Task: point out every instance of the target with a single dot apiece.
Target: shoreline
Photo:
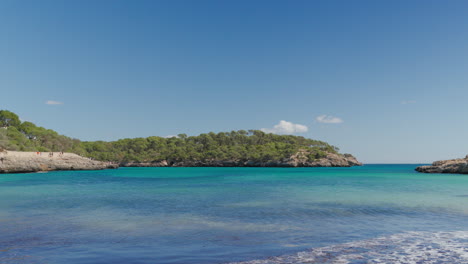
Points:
(24, 162)
(453, 166)
(30, 162)
(331, 160)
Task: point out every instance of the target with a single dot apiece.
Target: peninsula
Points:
(252, 148)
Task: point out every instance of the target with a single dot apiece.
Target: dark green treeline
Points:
(251, 145)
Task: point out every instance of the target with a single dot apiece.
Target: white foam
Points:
(409, 247)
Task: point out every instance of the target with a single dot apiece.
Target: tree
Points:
(29, 129)
(4, 142)
(8, 119)
(182, 136)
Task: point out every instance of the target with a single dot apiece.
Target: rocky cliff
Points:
(446, 166)
(15, 161)
(298, 160)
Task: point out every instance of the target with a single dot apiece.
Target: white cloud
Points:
(171, 136)
(408, 102)
(51, 102)
(285, 127)
(328, 119)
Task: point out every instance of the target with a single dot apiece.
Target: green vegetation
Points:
(252, 145)
(25, 136)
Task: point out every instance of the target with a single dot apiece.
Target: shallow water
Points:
(369, 214)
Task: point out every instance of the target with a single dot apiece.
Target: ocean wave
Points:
(408, 247)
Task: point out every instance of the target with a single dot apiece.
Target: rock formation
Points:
(446, 166)
(15, 161)
(299, 159)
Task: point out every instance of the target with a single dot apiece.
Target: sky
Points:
(384, 80)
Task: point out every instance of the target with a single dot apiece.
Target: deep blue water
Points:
(223, 215)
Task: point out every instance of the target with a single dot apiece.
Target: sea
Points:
(369, 214)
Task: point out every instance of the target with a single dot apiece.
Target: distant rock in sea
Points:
(447, 166)
(16, 162)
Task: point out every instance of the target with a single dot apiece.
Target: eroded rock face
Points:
(446, 166)
(15, 161)
(297, 160)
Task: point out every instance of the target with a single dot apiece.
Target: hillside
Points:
(235, 148)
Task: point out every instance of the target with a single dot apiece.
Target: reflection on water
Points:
(222, 215)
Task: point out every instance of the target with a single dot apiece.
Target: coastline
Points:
(298, 160)
(23, 162)
(456, 166)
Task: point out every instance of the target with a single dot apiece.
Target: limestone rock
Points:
(145, 164)
(446, 166)
(299, 159)
(15, 161)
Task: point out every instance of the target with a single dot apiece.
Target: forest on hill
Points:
(251, 145)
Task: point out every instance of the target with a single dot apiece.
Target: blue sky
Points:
(384, 80)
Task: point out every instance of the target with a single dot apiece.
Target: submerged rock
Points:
(16, 161)
(446, 166)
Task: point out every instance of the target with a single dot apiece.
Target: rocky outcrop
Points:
(15, 161)
(145, 164)
(299, 159)
(446, 166)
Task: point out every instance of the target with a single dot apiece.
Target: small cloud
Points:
(285, 127)
(51, 102)
(171, 136)
(328, 119)
(408, 102)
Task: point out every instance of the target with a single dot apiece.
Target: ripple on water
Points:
(408, 247)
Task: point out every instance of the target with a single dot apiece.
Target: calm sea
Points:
(369, 214)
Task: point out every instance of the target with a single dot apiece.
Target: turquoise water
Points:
(369, 214)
